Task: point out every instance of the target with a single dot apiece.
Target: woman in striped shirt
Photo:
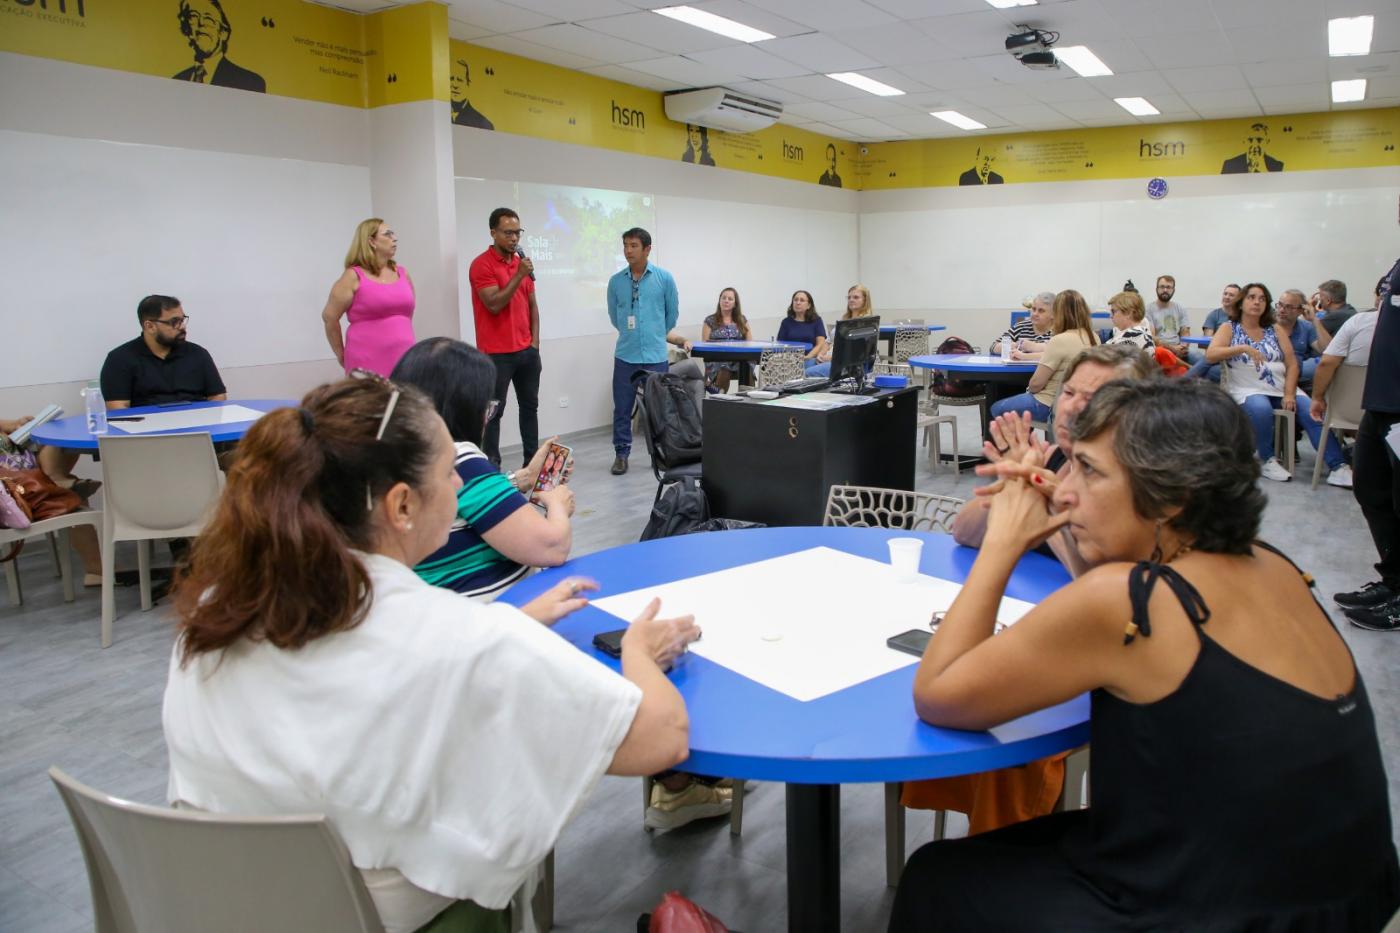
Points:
(1028, 336)
(496, 537)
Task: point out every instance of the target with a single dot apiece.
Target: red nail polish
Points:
(1035, 478)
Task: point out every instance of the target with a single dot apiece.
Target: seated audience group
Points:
(1208, 662)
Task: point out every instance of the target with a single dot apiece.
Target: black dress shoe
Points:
(619, 465)
(1382, 618)
(1368, 597)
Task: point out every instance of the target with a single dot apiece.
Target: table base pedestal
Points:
(814, 858)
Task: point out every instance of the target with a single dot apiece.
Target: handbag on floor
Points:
(679, 914)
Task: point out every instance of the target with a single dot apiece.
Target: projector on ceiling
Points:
(1031, 47)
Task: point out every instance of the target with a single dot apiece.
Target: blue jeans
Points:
(624, 390)
(1260, 411)
(1023, 402)
(1307, 369)
(1204, 370)
(813, 368)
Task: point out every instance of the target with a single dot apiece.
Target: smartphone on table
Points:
(610, 643)
(553, 471)
(912, 642)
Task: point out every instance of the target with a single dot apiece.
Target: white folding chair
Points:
(159, 870)
(56, 531)
(1343, 407)
(154, 486)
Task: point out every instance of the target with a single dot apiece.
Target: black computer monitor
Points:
(854, 345)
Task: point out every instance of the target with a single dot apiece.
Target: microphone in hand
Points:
(521, 253)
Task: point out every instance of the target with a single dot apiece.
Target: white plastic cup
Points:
(904, 558)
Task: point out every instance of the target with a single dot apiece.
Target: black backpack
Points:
(673, 420)
(945, 383)
(680, 509)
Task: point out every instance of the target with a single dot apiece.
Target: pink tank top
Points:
(381, 323)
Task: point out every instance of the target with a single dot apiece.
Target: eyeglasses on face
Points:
(179, 321)
(1287, 307)
(510, 233)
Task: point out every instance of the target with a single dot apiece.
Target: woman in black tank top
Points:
(1236, 778)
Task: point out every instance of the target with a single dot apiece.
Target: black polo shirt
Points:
(132, 373)
(1382, 392)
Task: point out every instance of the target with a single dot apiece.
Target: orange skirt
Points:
(993, 799)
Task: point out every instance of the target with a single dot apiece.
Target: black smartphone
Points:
(610, 643)
(912, 642)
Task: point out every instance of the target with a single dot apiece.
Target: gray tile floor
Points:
(96, 713)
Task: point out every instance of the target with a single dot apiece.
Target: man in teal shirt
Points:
(643, 305)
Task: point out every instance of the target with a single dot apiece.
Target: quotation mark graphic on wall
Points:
(1288, 129)
(490, 70)
(1088, 164)
(573, 121)
(392, 78)
(268, 23)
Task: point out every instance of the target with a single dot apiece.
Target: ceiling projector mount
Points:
(1031, 47)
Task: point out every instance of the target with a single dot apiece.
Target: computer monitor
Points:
(854, 345)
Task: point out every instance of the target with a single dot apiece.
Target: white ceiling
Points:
(1193, 59)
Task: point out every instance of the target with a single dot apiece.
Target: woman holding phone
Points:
(497, 537)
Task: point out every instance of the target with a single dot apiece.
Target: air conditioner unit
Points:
(719, 108)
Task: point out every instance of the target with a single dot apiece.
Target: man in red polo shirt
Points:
(508, 330)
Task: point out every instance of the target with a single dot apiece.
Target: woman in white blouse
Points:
(447, 741)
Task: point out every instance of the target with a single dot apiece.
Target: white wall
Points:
(714, 228)
(964, 256)
(121, 185)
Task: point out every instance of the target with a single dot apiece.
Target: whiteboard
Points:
(249, 244)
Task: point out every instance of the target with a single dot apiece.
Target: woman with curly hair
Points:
(1222, 698)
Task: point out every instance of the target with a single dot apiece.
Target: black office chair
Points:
(689, 472)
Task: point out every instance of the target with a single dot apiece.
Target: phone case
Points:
(610, 643)
(912, 642)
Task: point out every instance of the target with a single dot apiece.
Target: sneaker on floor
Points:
(1272, 469)
(1341, 476)
(619, 465)
(1383, 618)
(670, 809)
(1368, 597)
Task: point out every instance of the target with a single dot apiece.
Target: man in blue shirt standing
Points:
(644, 306)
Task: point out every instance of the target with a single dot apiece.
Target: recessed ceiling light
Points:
(713, 23)
(1350, 35)
(1345, 92)
(1008, 4)
(1084, 62)
(1137, 106)
(866, 84)
(960, 121)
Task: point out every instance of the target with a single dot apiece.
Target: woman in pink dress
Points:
(377, 295)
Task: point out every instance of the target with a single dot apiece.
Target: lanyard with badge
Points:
(632, 318)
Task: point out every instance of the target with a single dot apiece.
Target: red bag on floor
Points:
(679, 914)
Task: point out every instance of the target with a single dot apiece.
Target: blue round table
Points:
(72, 432)
(865, 733)
(1197, 341)
(887, 332)
(979, 367)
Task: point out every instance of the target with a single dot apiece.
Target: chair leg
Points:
(647, 783)
(957, 451)
(542, 905)
(52, 537)
(12, 583)
(736, 811)
(143, 569)
(1075, 795)
(1326, 435)
(894, 834)
(65, 563)
(935, 446)
(109, 598)
(940, 824)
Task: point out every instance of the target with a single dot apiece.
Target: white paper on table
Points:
(805, 624)
(189, 418)
(1393, 438)
(989, 360)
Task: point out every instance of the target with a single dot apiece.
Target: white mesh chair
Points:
(1343, 408)
(875, 507)
(910, 341)
(156, 486)
(778, 366)
(158, 870)
(56, 531)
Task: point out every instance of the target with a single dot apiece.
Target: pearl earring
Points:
(409, 526)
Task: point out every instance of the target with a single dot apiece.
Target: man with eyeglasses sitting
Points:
(160, 366)
(1301, 333)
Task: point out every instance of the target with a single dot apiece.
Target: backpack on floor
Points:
(944, 383)
(673, 419)
(680, 509)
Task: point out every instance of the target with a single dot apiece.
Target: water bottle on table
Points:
(96, 408)
(1006, 351)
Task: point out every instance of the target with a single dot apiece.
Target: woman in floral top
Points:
(727, 323)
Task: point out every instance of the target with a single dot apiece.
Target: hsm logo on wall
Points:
(1149, 149)
(629, 117)
(68, 12)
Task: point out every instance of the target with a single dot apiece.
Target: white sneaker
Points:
(1272, 469)
(1341, 476)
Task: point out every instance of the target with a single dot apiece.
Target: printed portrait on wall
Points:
(697, 145)
(463, 113)
(1254, 158)
(206, 27)
(981, 172)
(829, 177)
